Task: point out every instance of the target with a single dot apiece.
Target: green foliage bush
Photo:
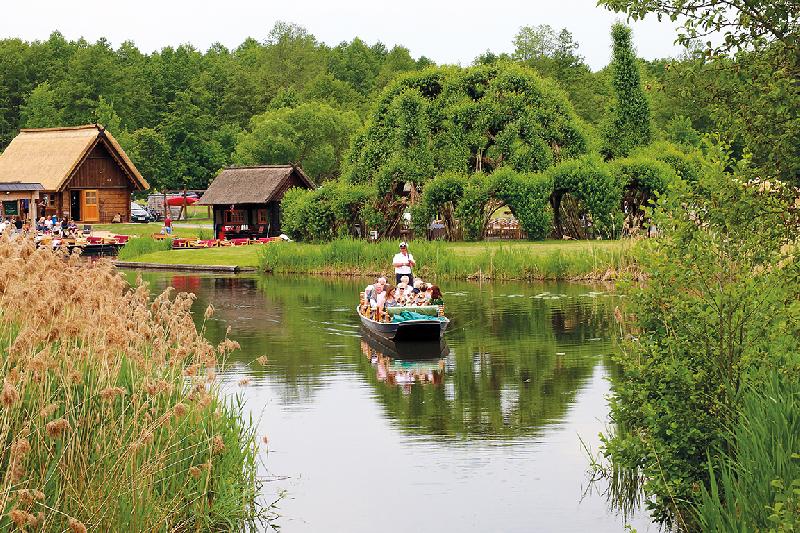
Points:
(685, 162)
(441, 195)
(312, 135)
(644, 173)
(593, 183)
(719, 311)
(330, 211)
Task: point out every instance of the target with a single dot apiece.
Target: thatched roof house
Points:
(247, 200)
(83, 171)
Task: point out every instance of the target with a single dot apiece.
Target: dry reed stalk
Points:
(94, 404)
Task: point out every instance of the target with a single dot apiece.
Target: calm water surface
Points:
(485, 437)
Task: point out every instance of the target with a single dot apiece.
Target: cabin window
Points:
(262, 216)
(234, 216)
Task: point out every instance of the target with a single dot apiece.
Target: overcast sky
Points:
(445, 31)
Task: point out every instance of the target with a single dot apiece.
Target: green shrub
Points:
(592, 182)
(719, 311)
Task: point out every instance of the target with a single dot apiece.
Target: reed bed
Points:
(452, 261)
(110, 415)
(139, 246)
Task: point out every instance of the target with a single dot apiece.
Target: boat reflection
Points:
(405, 364)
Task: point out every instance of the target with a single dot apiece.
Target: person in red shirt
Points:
(168, 224)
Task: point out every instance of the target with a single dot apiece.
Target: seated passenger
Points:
(378, 297)
(391, 300)
(419, 285)
(436, 296)
(422, 298)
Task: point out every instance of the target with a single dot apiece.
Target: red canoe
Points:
(178, 200)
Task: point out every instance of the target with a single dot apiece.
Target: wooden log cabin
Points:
(78, 172)
(246, 200)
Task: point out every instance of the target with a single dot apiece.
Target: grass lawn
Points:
(242, 256)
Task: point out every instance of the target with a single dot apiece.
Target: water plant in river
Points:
(111, 419)
(719, 313)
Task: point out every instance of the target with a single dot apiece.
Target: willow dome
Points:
(464, 120)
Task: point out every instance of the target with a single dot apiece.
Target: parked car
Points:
(139, 213)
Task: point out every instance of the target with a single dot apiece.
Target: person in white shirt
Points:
(378, 298)
(403, 263)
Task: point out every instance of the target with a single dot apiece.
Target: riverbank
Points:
(438, 260)
(112, 419)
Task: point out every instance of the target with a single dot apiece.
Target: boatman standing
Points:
(403, 262)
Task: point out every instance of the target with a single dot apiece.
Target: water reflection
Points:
(406, 364)
(523, 365)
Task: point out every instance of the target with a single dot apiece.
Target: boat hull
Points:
(407, 351)
(408, 331)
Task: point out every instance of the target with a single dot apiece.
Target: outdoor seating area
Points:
(188, 244)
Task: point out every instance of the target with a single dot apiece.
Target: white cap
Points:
(403, 244)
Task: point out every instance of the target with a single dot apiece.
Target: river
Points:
(485, 437)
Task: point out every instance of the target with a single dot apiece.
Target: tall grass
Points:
(440, 260)
(141, 246)
(756, 485)
(110, 415)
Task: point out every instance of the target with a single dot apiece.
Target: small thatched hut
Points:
(79, 172)
(246, 200)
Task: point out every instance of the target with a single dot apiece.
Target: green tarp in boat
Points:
(411, 315)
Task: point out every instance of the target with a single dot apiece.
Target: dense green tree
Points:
(313, 135)
(194, 145)
(150, 152)
(628, 120)
(746, 82)
(463, 120)
(40, 109)
(357, 64)
(555, 55)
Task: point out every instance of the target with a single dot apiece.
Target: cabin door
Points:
(75, 205)
(90, 210)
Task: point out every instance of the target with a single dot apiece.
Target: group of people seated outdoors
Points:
(409, 291)
(381, 294)
(52, 225)
(13, 224)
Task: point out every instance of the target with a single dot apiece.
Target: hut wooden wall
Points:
(99, 170)
(113, 201)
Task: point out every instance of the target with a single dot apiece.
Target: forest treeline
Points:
(182, 113)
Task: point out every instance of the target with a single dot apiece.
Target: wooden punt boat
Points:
(422, 330)
(406, 351)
